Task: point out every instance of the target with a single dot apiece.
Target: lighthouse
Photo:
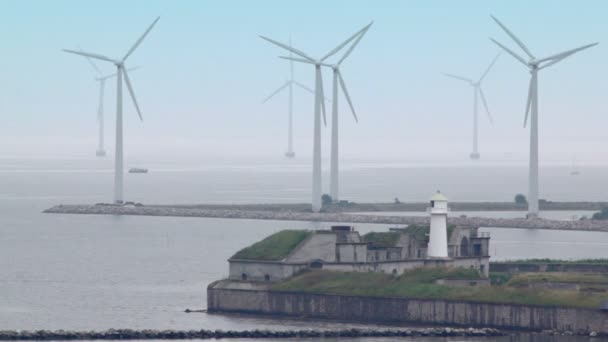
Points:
(438, 240)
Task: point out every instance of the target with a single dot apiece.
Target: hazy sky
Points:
(205, 71)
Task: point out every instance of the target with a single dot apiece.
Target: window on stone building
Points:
(477, 250)
(267, 277)
(244, 276)
(464, 246)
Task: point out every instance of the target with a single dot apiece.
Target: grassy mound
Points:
(420, 284)
(381, 239)
(275, 247)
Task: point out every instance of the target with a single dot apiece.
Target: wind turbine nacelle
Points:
(290, 154)
(474, 155)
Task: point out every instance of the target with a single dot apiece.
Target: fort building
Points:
(342, 248)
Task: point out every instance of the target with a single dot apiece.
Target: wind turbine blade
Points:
(128, 82)
(352, 47)
(289, 48)
(359, 34)
(322, 99)
(485, 104)
(519, 58)
(529, 102)
(114, 74)
(295, 59)
(140, 40)
(519, 42)
(107, 76)
(566, 54)
(92, 55)
(350, 103)
(458, 77)
(99, 73)
(303, 87)
(276, 92)
(488, 69)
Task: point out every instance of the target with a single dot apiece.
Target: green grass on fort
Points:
(274, 247)
(420, 284)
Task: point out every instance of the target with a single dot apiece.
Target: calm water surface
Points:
(98, 272)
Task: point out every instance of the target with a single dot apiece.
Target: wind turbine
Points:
(289, 85)
(477, 92)
(318, 107)
(334, 185)
(120, 72)
(534, 65)
(101, 152)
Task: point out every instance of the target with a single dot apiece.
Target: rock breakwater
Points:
(182, 211)
(128, 334)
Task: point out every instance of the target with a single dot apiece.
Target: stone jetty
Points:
(287, 215)
(128, 334)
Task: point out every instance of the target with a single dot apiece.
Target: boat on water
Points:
(138, 170)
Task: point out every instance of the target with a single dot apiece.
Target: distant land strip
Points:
(238, 212)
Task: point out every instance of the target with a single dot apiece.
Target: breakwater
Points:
(128, 334)
(286, 215)
(406, 206)
(398, 310)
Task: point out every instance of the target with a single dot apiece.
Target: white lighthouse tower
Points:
(438, 240)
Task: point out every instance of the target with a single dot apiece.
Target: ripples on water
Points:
(98, 272)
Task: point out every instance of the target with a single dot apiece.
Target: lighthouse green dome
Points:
(438, 196)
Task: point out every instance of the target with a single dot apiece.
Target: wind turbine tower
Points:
(534, 65)
(477, 93)
(334, 185)
(120, 72)
(289, 85)
(101, 152)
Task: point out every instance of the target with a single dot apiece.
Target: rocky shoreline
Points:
(186, 211)
(128, 334)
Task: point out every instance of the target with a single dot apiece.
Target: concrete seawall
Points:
(224, 296)
(583, 225)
